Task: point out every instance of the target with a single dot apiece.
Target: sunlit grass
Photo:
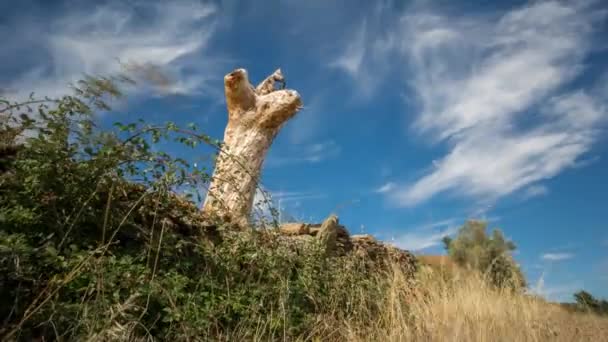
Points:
(462, 307)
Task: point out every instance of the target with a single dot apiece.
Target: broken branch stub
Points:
(255, 116)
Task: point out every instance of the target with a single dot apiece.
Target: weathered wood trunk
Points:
(255, 116)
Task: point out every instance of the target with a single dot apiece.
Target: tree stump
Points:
(255, 116)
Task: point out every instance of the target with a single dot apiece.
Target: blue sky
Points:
(417, 115)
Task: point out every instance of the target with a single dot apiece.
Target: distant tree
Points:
(446, 242)
(489, 254)
(585, 299)
(587, 302)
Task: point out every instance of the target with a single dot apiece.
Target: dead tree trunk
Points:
(255, 116)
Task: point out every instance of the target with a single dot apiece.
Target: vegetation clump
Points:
(586, 302)
(96, 243)
(491, 255)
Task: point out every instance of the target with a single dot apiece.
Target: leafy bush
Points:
(491, 255)
(587, 302)
(95, 243)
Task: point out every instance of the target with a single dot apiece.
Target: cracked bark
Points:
(255, 116)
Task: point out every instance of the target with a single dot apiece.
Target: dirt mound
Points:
(181, 215)
(341, 243)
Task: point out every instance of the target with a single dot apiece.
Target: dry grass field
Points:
(462, 307)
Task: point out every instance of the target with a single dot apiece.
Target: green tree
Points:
(490, 254)
(587, 302)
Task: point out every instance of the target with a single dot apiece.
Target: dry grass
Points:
(463, 308)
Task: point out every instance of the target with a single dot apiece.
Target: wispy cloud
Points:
(265, 202)
(449, 222)
(478, 109)
(385, 188)
(587, 161)
(162, 42)
(311, 153)
(350, 61)
(560, 291)
(535, 191)
(364, 57)
(426, 236)
(293, 196)
(493, 88)
(557, 256)
(263, 205)
(555, 292)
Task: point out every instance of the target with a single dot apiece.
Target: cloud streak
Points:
(478, 109)
(266, 202)
(426, 236)
(149, 39)
(385, 188)
(494, 89)
(555, 292)
(557, 256)
(535, 191)
(310, 153)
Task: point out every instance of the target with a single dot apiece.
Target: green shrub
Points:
(491, 255)
(585, 301)
(95, 244)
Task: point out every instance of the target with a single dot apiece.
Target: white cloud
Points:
(492, 88)
(387, 187)
(442, 223)
(586, 162)
(557, 293)
(311, 153)
(426, 236)
(516, 61)
(535, 191)
(266, 202)
(364, 56)
(166, 37)
(477, 81)
(352, 58)
(295, 196)
(263, 205)
(557, 256)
